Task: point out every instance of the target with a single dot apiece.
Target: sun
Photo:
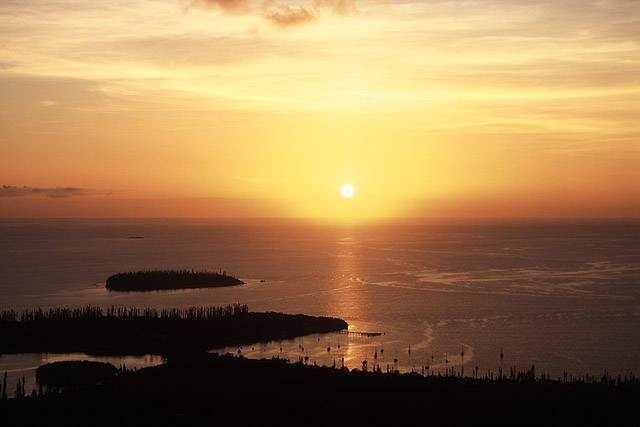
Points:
(347, 190)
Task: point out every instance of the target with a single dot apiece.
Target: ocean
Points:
(563, 295)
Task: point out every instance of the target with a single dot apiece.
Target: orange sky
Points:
(240, 108)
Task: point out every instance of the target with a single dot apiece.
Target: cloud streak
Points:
(226, 5)
(54, 193)
(338, 7)
(282, 14)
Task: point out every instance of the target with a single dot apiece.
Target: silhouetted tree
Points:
(20, 388)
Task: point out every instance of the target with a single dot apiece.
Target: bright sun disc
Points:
(347, 190)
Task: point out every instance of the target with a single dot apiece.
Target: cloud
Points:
(283, 14)
(338, 7)
(55, 193)
(226, 5)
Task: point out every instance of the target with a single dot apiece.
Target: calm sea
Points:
(561, 295)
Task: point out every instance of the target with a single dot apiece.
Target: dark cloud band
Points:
(56, 193)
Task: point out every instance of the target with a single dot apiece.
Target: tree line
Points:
(94, 312)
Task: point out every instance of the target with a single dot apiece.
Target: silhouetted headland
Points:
(162, 280)
(132, 331)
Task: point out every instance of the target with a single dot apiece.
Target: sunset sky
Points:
(242, 108)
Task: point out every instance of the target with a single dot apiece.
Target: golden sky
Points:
(242, 108)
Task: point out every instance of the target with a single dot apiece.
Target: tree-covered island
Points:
(164, 280)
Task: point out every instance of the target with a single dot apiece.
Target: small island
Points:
(163, 280)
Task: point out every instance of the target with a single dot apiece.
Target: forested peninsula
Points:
(163, 280)
(133, 331)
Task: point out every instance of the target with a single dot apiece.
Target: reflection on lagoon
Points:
(351, 349)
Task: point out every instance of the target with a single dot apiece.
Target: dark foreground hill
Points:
(207, 389)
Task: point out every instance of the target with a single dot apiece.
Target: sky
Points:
(243, 108)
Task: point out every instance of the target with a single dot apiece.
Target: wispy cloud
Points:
(283, 14)
(55, 193)
(338, 7)
(226, 5)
